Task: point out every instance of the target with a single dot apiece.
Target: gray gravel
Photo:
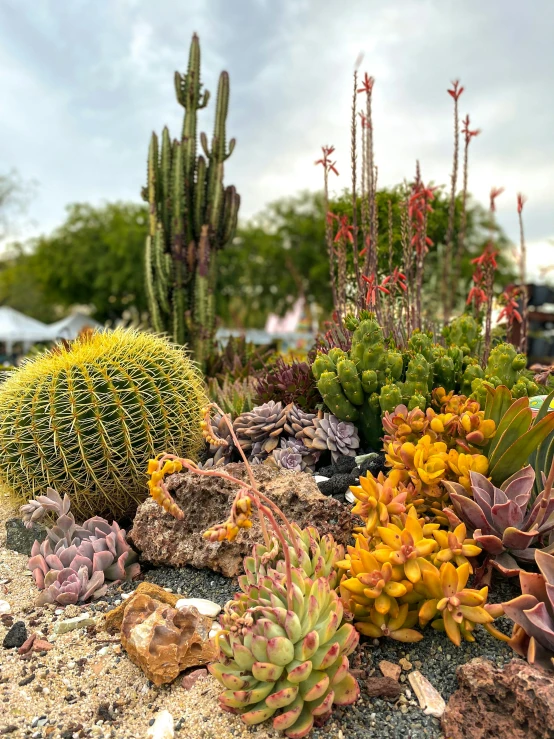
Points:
(371, 718)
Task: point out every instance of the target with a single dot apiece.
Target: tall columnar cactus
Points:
(192, 215)
(85, 419)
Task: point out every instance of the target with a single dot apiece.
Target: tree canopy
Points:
(96, 259)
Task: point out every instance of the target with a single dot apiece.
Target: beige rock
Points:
(405, 664)
(163, 641)
(430, 700)
(206, 501)
(114, 618)
(162, 728)
(203, 606)
(389, 669)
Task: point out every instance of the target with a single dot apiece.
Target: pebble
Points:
(405, 664)
(16, 636)
(204, 607)
(430, 700)
(5, 606)
(389, 669)
(79, 622)
(163, 727)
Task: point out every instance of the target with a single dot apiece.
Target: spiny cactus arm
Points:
(179, 304)
(151, 288)
(165, 181)
(162, 265)
(177, 201)
(230, 215)
(200, 196)
(152, 186)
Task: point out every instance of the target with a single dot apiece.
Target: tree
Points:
(14, 197)
(281, 254)
(95, 258)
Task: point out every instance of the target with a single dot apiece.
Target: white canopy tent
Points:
(16, 327)
(70, 326)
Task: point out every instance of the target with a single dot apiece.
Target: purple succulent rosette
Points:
(503, 520)
(533, 614)
(75, 563)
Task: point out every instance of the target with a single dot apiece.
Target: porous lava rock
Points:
(163, 641)
(512, 702)
(162, 540)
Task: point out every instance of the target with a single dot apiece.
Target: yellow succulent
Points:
(397, 626)
(379, 498)
(455, 546)
(462, 464)
(453, 607)
(404, 546)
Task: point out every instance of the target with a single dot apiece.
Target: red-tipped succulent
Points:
(503, 522)
(533, 614)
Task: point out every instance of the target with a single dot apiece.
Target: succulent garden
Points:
(385, 496)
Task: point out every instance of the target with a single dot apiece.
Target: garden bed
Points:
(85, 685)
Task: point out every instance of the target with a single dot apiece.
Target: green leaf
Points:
(513, 412)
(519, 452)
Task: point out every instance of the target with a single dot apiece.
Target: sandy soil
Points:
(85, 685)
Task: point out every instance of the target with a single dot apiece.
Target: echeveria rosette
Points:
(289, 664)
(533, 614)
(97, 552)
(502, 521)
(328, 432)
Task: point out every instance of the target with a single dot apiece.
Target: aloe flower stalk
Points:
(502, 521)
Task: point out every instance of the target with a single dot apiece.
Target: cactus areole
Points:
(192, 215)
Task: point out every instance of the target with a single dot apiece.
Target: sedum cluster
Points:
(409, 572)
(426, 448)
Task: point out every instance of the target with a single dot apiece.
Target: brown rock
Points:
(41, 645)
(192, 677)
(389, 669)
(383, 687)
(163, 641)
(114, 618)
(405, 664)
(27, 644)
(163, 540)
(513, 702)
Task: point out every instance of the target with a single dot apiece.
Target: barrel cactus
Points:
(85, 418)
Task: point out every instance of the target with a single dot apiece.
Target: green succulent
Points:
(289, 664)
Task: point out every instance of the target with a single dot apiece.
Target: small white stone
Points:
(5, 606)
(58, 611)
(216, 628)
(103, 651)
(320, 478)
(430, 700)
(205, 607)
(350, 496)
(162, 728)
(168, 590)
(124, 596)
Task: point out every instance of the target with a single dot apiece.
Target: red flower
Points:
(327, 164)
(367, 84)
(521, 200)
(372, 288)
(469, 134)
(495, 192)
(510, 310)
(345, 230)
(456, 91)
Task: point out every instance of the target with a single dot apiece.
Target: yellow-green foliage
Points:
(85, 419)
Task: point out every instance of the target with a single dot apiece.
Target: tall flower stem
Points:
(446, 290)
(353, 157)
(468, 135)
(523, 276)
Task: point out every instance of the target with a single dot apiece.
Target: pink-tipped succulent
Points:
(503, 522)
(533, 614)
(74, 562)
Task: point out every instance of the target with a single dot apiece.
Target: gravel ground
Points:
(85, 686)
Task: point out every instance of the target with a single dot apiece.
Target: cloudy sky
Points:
(84, 82)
